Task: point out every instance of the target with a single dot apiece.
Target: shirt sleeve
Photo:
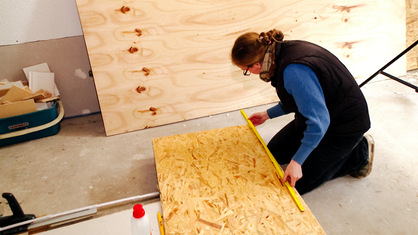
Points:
(277, 111)
(301, 82)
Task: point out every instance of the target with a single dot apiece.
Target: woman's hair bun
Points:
(270, 36)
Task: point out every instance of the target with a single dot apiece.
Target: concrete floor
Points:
(80, 166)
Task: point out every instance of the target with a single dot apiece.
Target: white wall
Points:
(24, 21)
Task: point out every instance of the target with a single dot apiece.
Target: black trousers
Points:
(333, 157)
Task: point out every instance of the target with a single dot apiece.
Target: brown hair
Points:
(250, 48)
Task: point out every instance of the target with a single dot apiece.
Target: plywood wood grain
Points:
(157, 62)
(222, 182)
(412, 33)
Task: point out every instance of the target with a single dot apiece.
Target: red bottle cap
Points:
(139, 211)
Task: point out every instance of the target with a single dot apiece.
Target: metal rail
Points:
(50, 217)
(380, 71)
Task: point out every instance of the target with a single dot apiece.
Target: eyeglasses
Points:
(246, 72)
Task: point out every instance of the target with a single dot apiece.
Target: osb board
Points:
(412, 33)
(157, 62)
(222, 181)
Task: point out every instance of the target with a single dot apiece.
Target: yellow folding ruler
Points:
(278, 168)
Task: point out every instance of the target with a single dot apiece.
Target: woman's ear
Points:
(258, 65)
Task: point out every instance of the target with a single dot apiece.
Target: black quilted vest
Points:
(345, 102)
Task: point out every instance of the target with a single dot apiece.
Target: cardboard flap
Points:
(17, 108)
(15, 94)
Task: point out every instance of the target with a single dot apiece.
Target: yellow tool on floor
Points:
(160, 223)
(278, 168)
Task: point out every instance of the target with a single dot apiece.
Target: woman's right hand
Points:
(259, 118)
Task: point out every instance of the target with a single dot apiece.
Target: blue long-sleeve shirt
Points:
(302, 83)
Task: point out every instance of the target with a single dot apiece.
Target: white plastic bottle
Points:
(140, 221)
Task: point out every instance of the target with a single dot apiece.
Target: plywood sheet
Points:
(412, 33)
(222, 181)
(157, 62)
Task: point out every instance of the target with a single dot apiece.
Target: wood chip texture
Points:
(222, 181)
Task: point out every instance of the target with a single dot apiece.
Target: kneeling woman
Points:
(325, 140)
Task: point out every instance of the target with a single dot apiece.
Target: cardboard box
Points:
(20, 100)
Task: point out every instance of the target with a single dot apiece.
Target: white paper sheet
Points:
(43, 68)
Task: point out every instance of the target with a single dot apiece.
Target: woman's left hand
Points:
(292, 173)
(259, 118)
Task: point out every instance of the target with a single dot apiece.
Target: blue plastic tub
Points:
(31, 126)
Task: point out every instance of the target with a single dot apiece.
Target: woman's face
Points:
(255, 69)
